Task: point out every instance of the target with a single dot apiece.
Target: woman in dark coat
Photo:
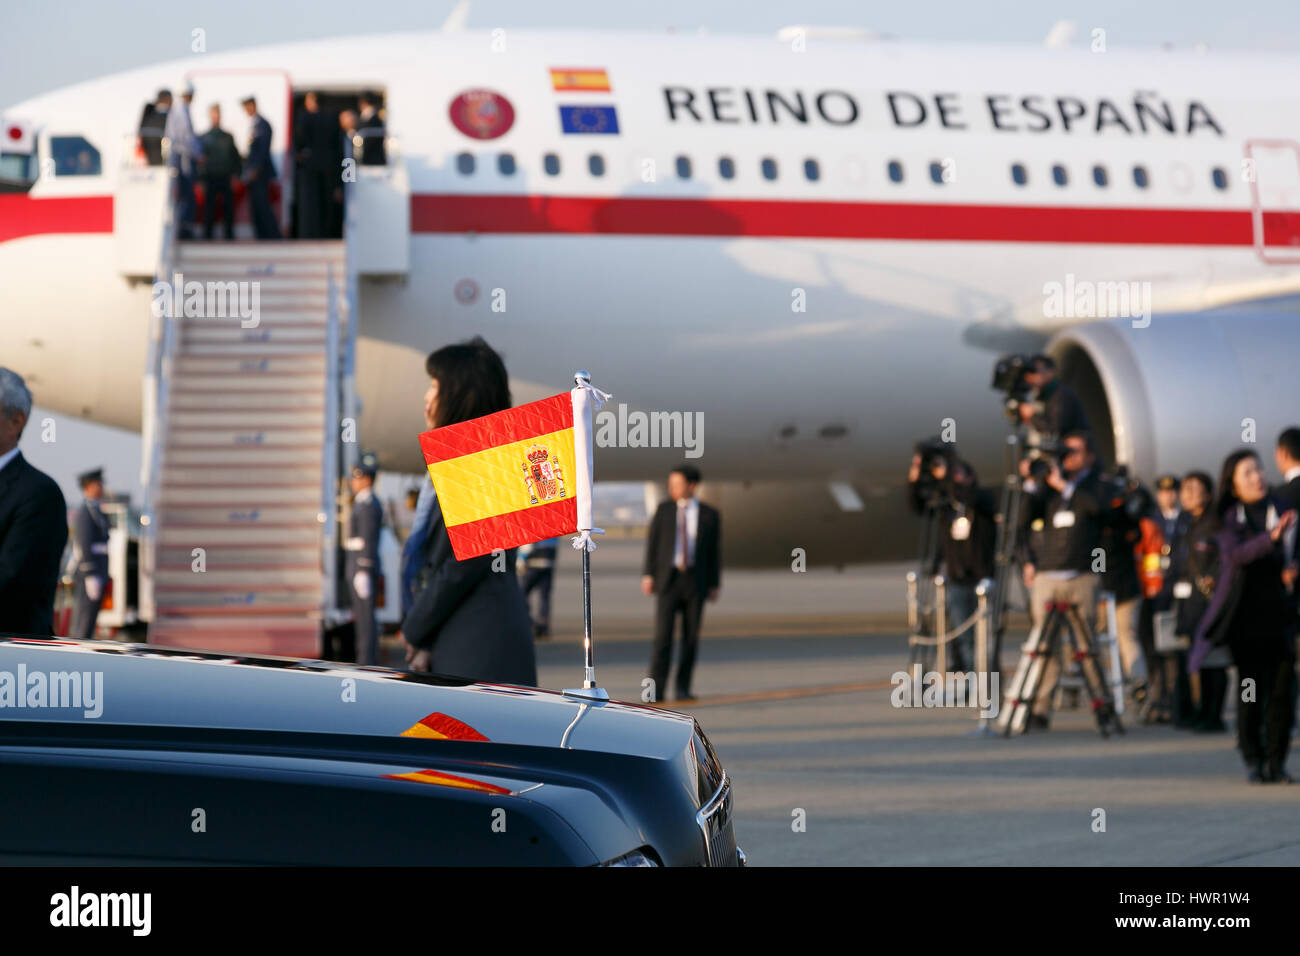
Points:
(1248, 613)
(1193, 568)
(468, 618)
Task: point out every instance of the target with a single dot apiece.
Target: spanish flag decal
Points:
(442, 727)
(440, 779)
(506, 479)
(579, 79)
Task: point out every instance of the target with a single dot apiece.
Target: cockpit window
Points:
(74, 156)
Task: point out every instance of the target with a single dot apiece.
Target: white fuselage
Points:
(820, 326)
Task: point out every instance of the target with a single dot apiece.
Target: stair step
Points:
(266, 251)
(252, 350)
(195, 400)
(204, 387)
(245, 418)
(231, 558)
(219, 600)
(207, 536)
(265, 634)
(243, 455)
(250, 437)
(232, 497)
(297, 474)
(267, 320)
(249, 579)
(235, 365)
(238, 514)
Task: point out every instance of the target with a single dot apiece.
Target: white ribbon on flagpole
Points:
(586, 400)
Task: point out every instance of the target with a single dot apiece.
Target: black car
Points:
(129, 754)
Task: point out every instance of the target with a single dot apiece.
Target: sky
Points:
(52, 43)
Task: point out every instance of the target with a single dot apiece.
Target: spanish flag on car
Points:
(517, 476)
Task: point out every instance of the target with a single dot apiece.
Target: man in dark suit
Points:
(683, 559)
(90, 533)
(362, 546)
(33, 523)
(152, 123)
(316, 147)
(1287, 456)
(371, 127)
(220, 165)
(258, 173)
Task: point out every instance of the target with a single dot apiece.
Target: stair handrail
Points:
(329, 479)
(155, 387)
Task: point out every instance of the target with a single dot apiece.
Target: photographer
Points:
(1062, 518)
(1121, 535)
(1056, 409)
(967, 534)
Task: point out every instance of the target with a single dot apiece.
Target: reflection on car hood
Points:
(143, 685)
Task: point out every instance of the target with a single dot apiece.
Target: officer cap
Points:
(1167, 483)
(86, 477)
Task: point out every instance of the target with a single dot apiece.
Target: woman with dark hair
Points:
(467, 618)
(1248, 614)
(1193, 569)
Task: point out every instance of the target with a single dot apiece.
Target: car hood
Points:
(100, 682)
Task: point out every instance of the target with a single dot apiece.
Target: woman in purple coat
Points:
(1248, 613)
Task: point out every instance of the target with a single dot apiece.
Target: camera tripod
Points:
(1063, 633)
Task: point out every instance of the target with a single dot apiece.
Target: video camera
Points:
(1009, 378)
(1125, 494)
(932, 451)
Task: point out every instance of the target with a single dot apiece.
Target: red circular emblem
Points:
(482, 114)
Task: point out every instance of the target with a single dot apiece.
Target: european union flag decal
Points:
(588, 119)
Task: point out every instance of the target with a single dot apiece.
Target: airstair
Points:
(247, 411)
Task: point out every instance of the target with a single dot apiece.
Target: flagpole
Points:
(582, 437)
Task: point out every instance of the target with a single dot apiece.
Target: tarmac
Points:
(793, 687)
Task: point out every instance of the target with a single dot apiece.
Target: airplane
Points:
(818, 242)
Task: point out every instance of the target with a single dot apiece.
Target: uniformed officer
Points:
(90, 534)
(362, 546)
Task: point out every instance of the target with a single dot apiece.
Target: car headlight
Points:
(635, 858)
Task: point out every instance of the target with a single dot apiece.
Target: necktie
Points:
(681, 539)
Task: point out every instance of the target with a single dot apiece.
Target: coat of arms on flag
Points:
(517, 476)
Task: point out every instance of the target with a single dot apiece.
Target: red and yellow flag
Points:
(584, 79)
(506, 479)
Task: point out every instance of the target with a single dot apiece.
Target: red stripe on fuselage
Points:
(456, 213)
(21, 215)
(459, 213)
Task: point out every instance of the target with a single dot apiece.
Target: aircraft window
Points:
(551, 163)
(811, 170)
(1059, 176)
(506, 164)
(465, 164)
(596, 164)
(1018, 174)
(1220, 178)
(1140, 177)
(769, 168)
(74, 156)
(895, 171)
(683, 167)
(726, 168)
(15, 166)
(1099, 175)
(936, 173)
